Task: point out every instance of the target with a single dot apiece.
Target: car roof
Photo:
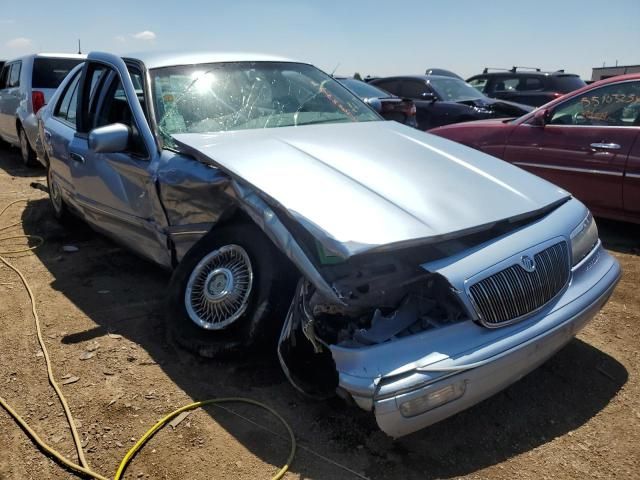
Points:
(49, 55)
(168, 59)
(416, 77)
(527, 73)
(617, 78)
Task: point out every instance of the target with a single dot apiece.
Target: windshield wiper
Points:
(330, 120)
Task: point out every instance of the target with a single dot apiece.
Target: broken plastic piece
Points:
(384, 328)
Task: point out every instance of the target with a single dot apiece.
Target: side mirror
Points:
(541, 117)
(374, 103)
(428, 97)
(112, 138)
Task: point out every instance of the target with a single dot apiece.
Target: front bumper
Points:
(506, 356)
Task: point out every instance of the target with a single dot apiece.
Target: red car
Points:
(587, 142)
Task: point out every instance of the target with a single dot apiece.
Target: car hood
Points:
(497, 104)
(374, 185)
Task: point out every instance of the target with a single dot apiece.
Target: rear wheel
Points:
(60, 210)
(229, 293)
(26, 152)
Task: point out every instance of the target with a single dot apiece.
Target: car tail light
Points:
(37, 100)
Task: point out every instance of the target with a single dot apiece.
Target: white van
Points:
(26, 85)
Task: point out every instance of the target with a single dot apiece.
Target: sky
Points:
(370, 37)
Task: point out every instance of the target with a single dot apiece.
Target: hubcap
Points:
(54, 193)
(218, 285)
(218, 288)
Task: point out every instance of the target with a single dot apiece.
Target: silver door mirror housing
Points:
(112, 138)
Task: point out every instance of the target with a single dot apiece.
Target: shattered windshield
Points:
(217, 97)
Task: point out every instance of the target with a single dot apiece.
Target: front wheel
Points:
(229, 293)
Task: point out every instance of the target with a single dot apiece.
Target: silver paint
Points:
(343, 181)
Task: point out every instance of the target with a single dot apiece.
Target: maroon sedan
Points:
(587, 142)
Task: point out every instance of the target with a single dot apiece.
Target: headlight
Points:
(583, 238)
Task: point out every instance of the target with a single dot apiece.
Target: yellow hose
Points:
(84, 468)
(152, 431)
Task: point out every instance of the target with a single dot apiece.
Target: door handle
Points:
(47, 135)
(77, 157)
(604, 146)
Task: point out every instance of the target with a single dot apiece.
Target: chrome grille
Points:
(514, 292)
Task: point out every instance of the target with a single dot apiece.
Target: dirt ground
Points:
(578, 416)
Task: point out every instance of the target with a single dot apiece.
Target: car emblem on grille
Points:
(528, 263)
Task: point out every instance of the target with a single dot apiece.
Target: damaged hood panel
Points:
(343, 182)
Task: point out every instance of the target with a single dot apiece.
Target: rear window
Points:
(568, 83)
(49, 72)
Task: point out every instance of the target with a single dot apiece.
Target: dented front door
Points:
(116, 191)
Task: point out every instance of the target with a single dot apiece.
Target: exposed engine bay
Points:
(422, 302)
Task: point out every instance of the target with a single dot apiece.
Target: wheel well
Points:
(233, 216)
(237, 217)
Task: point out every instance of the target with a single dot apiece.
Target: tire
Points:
(262, 288)
(60, 210)
(26, 152)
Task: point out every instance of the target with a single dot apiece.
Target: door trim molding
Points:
(593, 171)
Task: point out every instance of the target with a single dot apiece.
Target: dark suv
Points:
(523, 85)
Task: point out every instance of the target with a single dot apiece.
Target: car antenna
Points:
(334, 70)
(79, 50)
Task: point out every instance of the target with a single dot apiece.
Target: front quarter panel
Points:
(193, 196)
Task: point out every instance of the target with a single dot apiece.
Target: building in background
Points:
(600, 73)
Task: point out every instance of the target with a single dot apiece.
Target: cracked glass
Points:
(209, 98)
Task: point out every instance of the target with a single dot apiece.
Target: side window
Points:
(615, 105)
(414, 89)
(138, 85)
(530, 84)
(114, 108)
(506, 84)
(391, 86)
(14, 75)
(73, 105)
(68, 101)
(4, 75)
(95, 77)
(479, 83)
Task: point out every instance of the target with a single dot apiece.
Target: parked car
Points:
(588, 142)
(401, 110)
(443, 100)
(406, 272)
(26, 85)
(442, 73)
(528, 86)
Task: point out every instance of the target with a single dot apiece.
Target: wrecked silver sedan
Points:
(408, 274)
